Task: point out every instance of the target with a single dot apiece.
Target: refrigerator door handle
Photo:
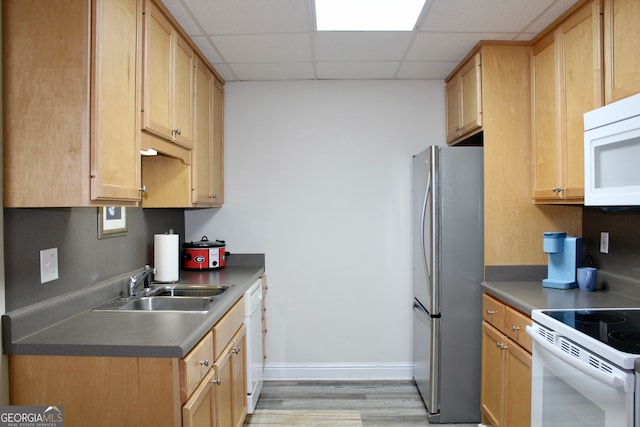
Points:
(427, 193)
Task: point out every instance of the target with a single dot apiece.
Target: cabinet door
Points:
(183, 92)
(224, 389)
(621, 44)
(453, 97)
(239, 372)
(157, 109)
(203, 137)
(493, 375)
(115, 144)
(471, 102)
(518, 399)
(463, 96)
(545, 112)
(581, 90)
(217, 162)
(199, 410)
(567, 79)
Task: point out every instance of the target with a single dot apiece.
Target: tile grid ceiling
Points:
(259, 40)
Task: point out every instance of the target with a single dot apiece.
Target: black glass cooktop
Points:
(619, 329)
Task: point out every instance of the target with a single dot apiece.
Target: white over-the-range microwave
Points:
(612, 154)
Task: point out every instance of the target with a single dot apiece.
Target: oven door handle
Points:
(613, 379)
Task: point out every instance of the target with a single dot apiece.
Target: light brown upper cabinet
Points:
(207, 173)
(167, 103)
(463, 95)
(621, 46)
(567, 81)
(71, 122)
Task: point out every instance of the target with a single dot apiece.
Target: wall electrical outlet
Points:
(48, 265)
(604, 242)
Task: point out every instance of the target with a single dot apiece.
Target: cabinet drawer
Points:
(195, 365)
(226, 328)
(515, 324)
(493, 311)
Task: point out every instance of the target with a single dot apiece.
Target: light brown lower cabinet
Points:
(195, 390)
(506, 366)
(231, 380)
(220, 399)
(200, 408)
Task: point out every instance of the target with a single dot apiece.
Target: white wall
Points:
(317, 177)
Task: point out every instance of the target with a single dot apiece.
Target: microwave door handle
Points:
(614, 379)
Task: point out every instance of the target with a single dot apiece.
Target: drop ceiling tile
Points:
(497, 15)
(549, 15)
(264, 48)
(423, 70)
(357, 70)
(206, 47)
(251, 16)
(448, 46)
(361, 46)
(277, 71)
(183, 16)
(225, 72)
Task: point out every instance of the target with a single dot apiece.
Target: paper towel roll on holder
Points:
(167, 257)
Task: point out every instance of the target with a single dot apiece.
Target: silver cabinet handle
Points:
(204, 362)
(515, 328)
(491, 312)
(235, 350)
(177, 131)
(217, 381)
(143, 189)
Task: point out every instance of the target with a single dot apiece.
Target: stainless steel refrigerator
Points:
(448, 265)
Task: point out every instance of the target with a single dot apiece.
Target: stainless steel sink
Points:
(188, 290)
(168, 304)
(158, 303)
(168, 298)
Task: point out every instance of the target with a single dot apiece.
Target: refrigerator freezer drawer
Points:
(425, 356)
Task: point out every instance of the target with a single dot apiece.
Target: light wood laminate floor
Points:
(381, 403)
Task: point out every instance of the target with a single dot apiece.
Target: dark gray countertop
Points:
(67, 326)
(527, 296)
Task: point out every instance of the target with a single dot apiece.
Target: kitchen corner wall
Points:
(620, 268)
(83, 259)
(318, 177)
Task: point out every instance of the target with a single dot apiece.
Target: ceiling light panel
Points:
(367, 15)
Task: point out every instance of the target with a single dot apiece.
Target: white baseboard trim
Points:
(338, 371)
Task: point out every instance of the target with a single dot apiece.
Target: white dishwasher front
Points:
(255, 365)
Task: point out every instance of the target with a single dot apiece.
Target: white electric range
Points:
(583, 367)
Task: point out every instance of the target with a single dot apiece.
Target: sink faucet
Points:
(139, 278)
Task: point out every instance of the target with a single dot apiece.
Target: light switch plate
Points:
(604, 242)
(48, 265)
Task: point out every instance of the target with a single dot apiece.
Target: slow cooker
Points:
(204, 254)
